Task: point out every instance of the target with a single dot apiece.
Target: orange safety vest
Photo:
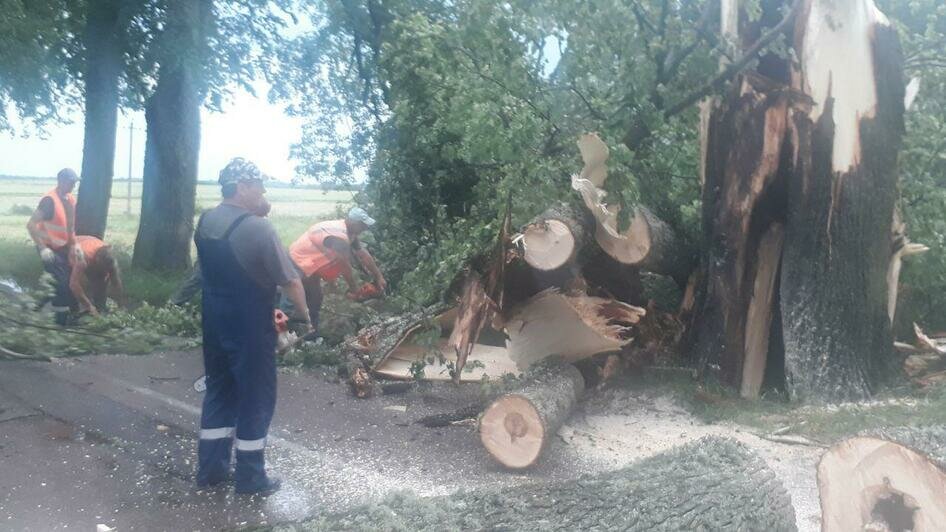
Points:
(89, 246)
(312, 257)
(60, 230)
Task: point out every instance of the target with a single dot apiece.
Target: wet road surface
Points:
(111, 440)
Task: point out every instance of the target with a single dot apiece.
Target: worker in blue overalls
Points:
(242, 262)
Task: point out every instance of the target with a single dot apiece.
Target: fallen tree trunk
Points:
(886, 480)
(553, 239)
(711, 484)
(648, 243)
(517, 427)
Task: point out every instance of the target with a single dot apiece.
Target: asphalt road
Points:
(111, 440)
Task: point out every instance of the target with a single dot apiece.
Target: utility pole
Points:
(131, 133)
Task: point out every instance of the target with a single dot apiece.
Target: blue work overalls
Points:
(240, 363)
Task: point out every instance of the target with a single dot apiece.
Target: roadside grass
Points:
(895, 406)
(294, 210)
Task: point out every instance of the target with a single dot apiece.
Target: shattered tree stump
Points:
(516, 427)
(885, 480)
(711, 484)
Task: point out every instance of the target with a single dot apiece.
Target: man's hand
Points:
(47, 255)
(78, 255)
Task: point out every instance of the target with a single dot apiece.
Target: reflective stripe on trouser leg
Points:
(255, 376)
(251, 445)
(216, 434)
(217, 417)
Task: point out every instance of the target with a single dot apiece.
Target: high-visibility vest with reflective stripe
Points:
(89, 245)
(312, 256)
(58, 231)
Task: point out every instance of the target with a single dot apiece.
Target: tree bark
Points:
(711, 484)
(841, 197)
(743, 197)
(893, 479)
(173, 143)
(648, 243)
(103, 67)
(517, 427)
(811, 146)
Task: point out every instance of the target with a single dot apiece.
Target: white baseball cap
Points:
(359, 215)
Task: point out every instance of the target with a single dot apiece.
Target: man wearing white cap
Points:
(324, 251)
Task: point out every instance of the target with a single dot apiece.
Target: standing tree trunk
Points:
(173, 144)
(810, 146)
(841, 202)
(102, 71)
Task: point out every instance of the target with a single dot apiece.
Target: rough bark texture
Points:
(668, 254)
(518, 426)
(103, 56)
(648, 243)
(173, 143)
(811, 145)
(363, 351)
(837, 247)
(711, 484)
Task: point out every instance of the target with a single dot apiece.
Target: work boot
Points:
(269, 486)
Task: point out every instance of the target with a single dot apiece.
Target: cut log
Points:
(711, 484)
(518, 426)
(894, 480)
(648, 243)
(573, 327)
(553, 239)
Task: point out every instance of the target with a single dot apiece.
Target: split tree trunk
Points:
(102, 71)
(811, 146)
(517, 427)
(173, 144)
(711, 484)
(891, 480)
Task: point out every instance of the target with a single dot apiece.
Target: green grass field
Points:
(294, 209)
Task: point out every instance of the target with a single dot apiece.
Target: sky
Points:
(248, 127)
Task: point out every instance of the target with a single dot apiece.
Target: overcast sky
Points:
(249, 127)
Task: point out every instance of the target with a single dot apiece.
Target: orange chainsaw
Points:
(366, 292)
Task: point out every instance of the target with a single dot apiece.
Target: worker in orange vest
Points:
(52, 228)
(324, 252)
(97, 267)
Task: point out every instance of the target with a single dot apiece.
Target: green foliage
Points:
(168, 320)
(922, 26)
(29, 331)
(456, 108)
(311, 354)
(36, 51)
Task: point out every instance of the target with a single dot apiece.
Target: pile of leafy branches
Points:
(29, 331)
